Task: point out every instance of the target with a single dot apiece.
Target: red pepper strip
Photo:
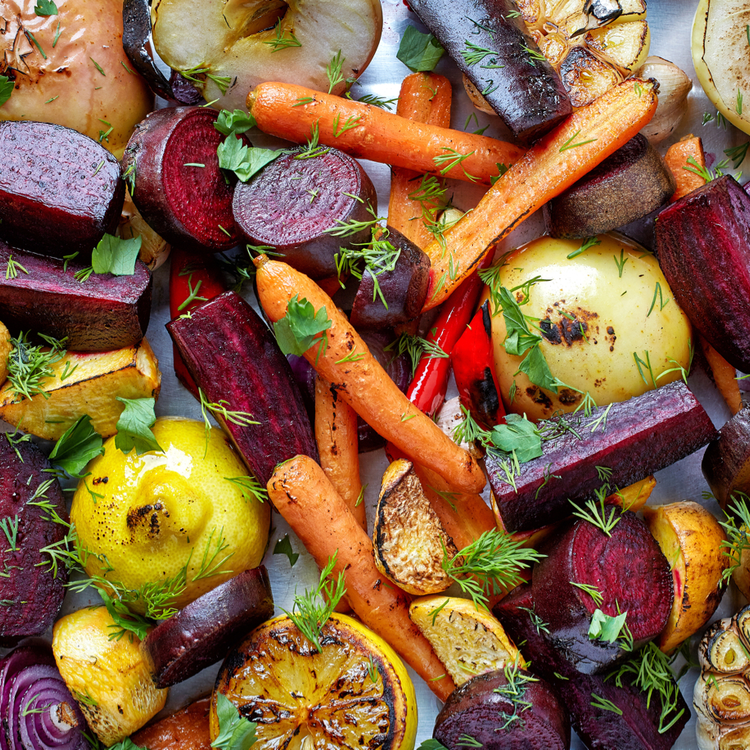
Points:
(194, 278)
(474, 369)
(430, 381)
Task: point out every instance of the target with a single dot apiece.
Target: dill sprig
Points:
(736, 527)
(489, 565)
(416, 347)
(12, 268)
(517, 683)
(250, 487)
(333, 71)
(281, 40)
(595, 512)
(30, 365)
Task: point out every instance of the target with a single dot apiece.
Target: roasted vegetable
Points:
(674, 87)
(727, 459)
(186, 729)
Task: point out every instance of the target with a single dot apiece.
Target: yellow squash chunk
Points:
(467, 640)
(634, 496)
(625, 45)
(85, 383)
(5, 347)
(106, 675)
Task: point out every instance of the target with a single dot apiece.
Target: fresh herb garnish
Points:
(340, 129)
(134, 426)
(234, 123)
(570, 144)
(595, 512)
(514, 690)
(333, 71)
(302, 327)
(192, 74)
(376, 257)
(30, 365)
(540, 625)
(660, 295)
(45, 8)
(588, 243)
(78, 445)
(419, 52)
(6, 88)
(374, 100)
(737, 527)
(116, 255)
(9, 527)
(250, 487)
(284, 547)
(474, 54)
(13, 267)
(283, 39)
(244, 161)
(737, 154)
(621, 262)
(451, 158)
(604, 627)
(416, 347)
(235, 731)
(604, 704)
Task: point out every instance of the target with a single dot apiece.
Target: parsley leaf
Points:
(235, 731)
(520, 435)
(234, 123)
(134, 426)
(605, 627)
(45, 8)
(127, 744)
(301, 328)
(78, 445)
(431, 745)
(284, 547)
(116, 256)
(6, 89)
(418, 51)
(243, 160)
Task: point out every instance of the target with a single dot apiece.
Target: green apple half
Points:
(236, 45)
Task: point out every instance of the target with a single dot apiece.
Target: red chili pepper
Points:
(430, 381)
(474, 369)
(194, 278)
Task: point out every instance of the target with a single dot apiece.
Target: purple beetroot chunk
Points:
(30, 594)
(637, 438)
(60, 191)
(630, 723)
(525, 713)
(104, 312)
(629, 571)
(235, 360)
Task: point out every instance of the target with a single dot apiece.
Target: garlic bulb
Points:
(674, 86)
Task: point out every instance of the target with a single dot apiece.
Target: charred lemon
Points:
(354, 692)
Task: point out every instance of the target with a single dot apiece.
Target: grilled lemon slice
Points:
(353, 693)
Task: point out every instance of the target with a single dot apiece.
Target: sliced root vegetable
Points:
(298, 202)
(202, 633)
(246, 381)
(59, 190)
(726, 462)
(5, 348)
(691, 540)
(626, 186)
(685, 172)
(100, 314)
(637, 438)
(368, 132)
(344, 360)
(173, 171)
(308, 502)
(186, 729)
(504, 710)
(634, 496)
(561, 158)
(502, 60)
(84, 383)
(620, 571)
(154, 249)
(469, 641)
(723, 375)
(336, 436)
(409, 542)
(674, 87)
(31, 586)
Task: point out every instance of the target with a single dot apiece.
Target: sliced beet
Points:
(403, 290)
(703, 246)
(517, 81)
(60, 191)
(190, 206)
(102, 313)
(236, 362)
(202, 633)
(637, 438)
(635, 727)
(296, 201)
(727, 459)
(629, 571)
(30, 594)
(523, 714)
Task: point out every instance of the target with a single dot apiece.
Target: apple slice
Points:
(690, 538)
(243, 44)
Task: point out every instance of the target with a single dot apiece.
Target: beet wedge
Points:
(31, 591)
(604, 714)
(726, 462)
(703, 246)
(489, 42)
(628, 573)
(236, 362)
(635, 439)
(100, 314)
(59, 190)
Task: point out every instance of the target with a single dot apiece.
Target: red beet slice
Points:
(628, 569)
(637, 438)
(727, 459)
(31, 595)
(202, 633)
(190, 206)
(703, 246)
(60, 191)
(293, 204)
(404, 289)
(483, 709)
(104, 312)
(637, 725)
(235, 360)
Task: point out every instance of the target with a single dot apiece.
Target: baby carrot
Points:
(563, 156)
(344, 360)
(368, 132)
(684, 171)
(301, 492)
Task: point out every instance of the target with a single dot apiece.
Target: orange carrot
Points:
(338, 446)
(723, 375)
(301, 492)
(344, 360)
(563, 156)
(676, 159)
(186, 729)
(365, 131)
(425, 97)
